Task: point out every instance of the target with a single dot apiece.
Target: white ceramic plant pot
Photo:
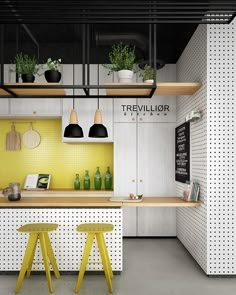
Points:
(125, 76)
(149, 81)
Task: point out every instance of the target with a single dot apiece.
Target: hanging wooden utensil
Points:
(13, 140)
(31, 138)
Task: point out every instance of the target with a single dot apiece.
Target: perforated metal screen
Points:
(191, 222)
(68, 244)
(221, 133)
(209, 232)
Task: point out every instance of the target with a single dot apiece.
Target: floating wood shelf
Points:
(46, 92)
(162, 89)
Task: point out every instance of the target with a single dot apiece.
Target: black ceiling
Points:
(56, 26)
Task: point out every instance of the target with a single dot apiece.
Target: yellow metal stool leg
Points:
(31, 259)
(28, 253)
(45, 261)
(51, 256)
(104, 260)
(84, 261)
(107, 256)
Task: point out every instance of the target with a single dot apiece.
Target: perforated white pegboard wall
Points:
(192, 222)
(221, 133)
(68, 244)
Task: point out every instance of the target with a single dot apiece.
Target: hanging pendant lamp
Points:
(73, 129)
(98, 129)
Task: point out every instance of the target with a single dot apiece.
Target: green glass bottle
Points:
(86, 180)
(77, 182)
(108, 179)
(97, 180)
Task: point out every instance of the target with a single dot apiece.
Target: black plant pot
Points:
(27, 78)
(52, 76)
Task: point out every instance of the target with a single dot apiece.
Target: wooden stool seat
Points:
(95, 230)
(38, 231)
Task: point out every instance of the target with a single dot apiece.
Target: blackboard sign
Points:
(182, 151)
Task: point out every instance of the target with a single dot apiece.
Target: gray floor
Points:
(151, 266)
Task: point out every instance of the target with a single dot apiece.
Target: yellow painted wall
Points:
(61, 160)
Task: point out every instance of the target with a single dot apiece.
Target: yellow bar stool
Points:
(38, 231)
(95, 230)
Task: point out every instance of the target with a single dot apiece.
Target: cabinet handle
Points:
(140, 180)
(141, 119)
(133, 119)
(133, 180)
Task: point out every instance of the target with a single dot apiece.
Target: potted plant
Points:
(123, 61)
(147, 73)
(52, 75)
(26, 67)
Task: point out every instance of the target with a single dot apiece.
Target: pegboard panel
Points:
(191, 222)
(221, 135)
(67, 243)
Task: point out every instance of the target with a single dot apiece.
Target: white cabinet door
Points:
(35, 107)
(86, 107)
(4, 107)
(156, 177)
(125, 171)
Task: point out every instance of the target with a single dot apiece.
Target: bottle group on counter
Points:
(97, 180)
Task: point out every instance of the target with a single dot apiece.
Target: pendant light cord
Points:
(73, 86)
(98, 77)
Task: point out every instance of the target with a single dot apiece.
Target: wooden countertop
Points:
(73, 202)
(59, 202)
(161, 202)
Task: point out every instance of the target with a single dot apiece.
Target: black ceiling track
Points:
(95, 12)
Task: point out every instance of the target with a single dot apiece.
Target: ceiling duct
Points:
(132, 38)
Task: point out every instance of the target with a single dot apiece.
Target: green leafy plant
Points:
(25, 64)
(122, 57)
(147, 73)
(53, 65)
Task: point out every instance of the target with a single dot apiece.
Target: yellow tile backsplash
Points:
(61, 160)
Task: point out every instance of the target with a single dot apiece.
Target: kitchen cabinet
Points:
(144, 164)
(125, 170)
(28, 107)
(86, 107)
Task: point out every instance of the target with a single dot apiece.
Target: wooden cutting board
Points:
(13, 140)
(31, 138)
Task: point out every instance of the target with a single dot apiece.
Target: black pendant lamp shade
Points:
(98, 130)
(73, 129)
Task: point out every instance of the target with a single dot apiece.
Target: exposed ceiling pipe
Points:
(138, 40)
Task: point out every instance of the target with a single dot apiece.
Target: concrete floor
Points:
(151, 266)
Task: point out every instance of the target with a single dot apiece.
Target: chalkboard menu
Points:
(182, 151)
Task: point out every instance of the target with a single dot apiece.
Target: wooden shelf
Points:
(162, 89)
(33, 91)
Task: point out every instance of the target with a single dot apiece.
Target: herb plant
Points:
(122, 57)
(25, 64)
(147, 73)
(53, 65)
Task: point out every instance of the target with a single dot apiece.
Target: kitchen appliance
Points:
(12, 191)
